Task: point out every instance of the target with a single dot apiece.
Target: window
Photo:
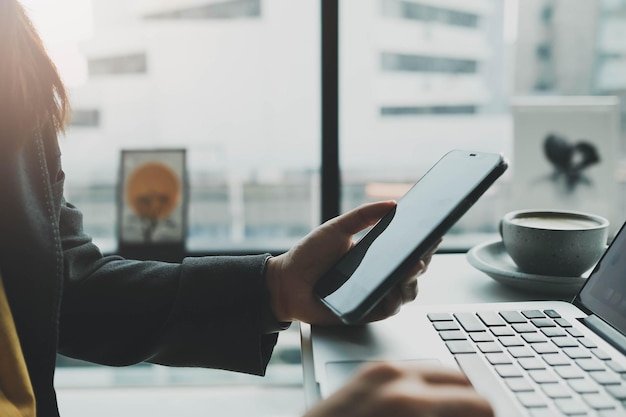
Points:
(222, 10)
(221, 79)
(429, 13)
(85, 118)
(420, 63)
(126, 64)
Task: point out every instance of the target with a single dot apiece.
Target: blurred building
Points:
(556, 53)
(571, 48)
(415, 73)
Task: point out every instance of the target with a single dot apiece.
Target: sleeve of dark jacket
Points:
(203, 312)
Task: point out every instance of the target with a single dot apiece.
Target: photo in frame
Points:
(565, 155)
(152, 197)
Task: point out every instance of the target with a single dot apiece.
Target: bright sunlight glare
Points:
(62, 25)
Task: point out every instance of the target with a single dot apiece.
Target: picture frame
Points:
(152, 197)
(565, 155)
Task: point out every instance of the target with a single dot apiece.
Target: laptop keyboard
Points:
(548, 365)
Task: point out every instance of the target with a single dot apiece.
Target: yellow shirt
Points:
(16, 393)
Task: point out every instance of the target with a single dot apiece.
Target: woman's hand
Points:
(292, 275)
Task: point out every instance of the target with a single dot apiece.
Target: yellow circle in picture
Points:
(153, 190)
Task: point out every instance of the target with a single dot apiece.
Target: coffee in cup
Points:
(554, 242)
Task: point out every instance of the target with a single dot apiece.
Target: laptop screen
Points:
(604, 293)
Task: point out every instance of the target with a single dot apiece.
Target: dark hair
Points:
(33, 100)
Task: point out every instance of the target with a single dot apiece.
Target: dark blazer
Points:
(67, 297)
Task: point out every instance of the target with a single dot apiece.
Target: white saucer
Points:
(492, 259)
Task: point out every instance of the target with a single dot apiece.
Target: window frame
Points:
(330, 169)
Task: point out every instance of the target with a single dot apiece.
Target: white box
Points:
(565, 155)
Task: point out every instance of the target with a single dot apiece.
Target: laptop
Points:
(531, 359)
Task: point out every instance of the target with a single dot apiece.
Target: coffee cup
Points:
(554, 242)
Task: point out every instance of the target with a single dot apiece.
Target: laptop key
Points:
(508, 371)
(521, 352)
(574, 332)
(583, 386)
(531, 363)
(469, 322)
(460, 346)
(439, 317)
(562, 322)
(571, 406)
(543, 323)
(599, 401)
(481, 337)
(452, 335)
(590, 364)
(491, 318)
(544, 348)
(489, 347)
(576, 352)
(524, 328)
(605, 377)
(534, 338)
(531, 400)
(509, 341)
(446, 325)
(557, 359)
(615, 366)
(519, 384)
(543, 377)
(569, 372)
(512, 317)
(552, 314)
(498, 358)
(588, 343)
(502, 331)
(533, 314)
(602, 355)
(617, 391)
(565, 341)
(557, 390)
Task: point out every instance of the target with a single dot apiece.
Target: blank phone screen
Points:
(420, 213)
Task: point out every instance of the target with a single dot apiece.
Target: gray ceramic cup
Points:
(551, 242)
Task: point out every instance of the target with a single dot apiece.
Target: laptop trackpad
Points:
(339, 373)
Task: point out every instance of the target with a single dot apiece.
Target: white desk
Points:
(450, 279)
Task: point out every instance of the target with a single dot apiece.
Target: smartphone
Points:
(381, 258)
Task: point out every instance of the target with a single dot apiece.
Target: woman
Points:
(219, 312)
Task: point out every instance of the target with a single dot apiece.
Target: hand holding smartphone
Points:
(366, 273)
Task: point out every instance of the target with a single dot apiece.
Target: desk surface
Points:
(450, 279)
